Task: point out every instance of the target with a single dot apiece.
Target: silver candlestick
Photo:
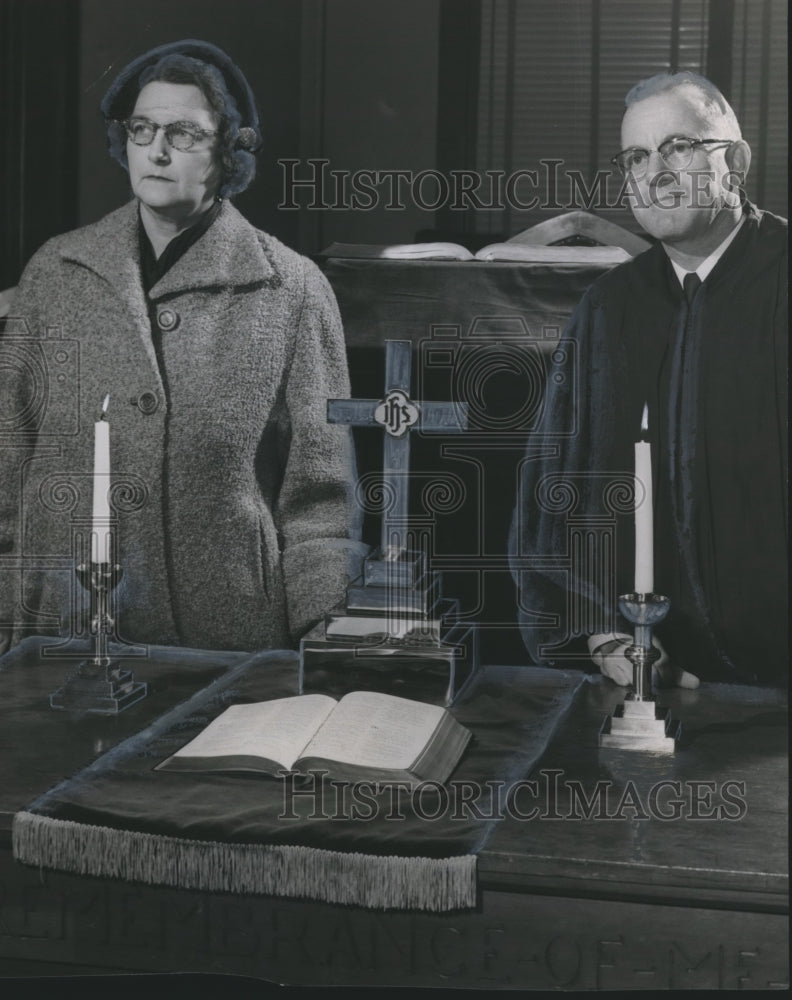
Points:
(101, 685)
(639, 723)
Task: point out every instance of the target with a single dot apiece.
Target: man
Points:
(695, 330)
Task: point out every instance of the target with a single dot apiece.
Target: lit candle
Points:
(100, 528)
(644, 520)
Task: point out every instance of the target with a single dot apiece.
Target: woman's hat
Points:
(120, 98)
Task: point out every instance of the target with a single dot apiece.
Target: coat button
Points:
(146, 402)
(167, 319)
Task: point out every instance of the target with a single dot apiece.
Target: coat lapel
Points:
(111, 249)
(228, 254)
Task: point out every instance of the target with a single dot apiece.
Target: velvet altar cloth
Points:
(302, 838)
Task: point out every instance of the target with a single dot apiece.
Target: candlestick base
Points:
(100, 685)
(640, 723)
(103, 690)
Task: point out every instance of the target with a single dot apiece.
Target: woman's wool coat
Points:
(233, 494)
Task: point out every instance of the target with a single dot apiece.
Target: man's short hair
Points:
(698, 89)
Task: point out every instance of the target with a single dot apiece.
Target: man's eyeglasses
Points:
(180, 135)
(676, 152)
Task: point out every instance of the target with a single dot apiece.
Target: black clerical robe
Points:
(714, 376)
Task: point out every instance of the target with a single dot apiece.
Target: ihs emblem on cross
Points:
(397, 413)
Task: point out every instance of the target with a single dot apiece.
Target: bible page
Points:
(376, 730)
(276, 730)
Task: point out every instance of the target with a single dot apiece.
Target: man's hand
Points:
(609, 657)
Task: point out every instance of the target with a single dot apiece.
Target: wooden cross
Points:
(398, 416)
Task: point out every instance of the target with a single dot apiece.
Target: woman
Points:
(218, 347)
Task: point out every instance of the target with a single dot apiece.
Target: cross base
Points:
(402, 570)
(394, 633)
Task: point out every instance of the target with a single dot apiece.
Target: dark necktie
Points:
(691, 285)
(687, 486)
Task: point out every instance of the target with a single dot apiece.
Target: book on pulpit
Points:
(399, 251)
(514, 252)
(365, 736)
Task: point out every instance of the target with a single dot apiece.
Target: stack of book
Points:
(395, 633)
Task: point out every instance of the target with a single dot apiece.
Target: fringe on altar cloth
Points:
(370, 881)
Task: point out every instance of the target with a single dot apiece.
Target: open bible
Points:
(364, 736)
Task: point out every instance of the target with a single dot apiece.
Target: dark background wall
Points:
(376, 91)
(39, 132)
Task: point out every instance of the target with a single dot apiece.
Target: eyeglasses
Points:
(180, 135)
(676, 152)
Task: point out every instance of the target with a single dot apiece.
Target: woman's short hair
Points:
(181, 62)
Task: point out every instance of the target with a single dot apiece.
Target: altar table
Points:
(590, 880)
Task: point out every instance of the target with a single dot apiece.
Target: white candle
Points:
(644, 520)
(100, 528)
